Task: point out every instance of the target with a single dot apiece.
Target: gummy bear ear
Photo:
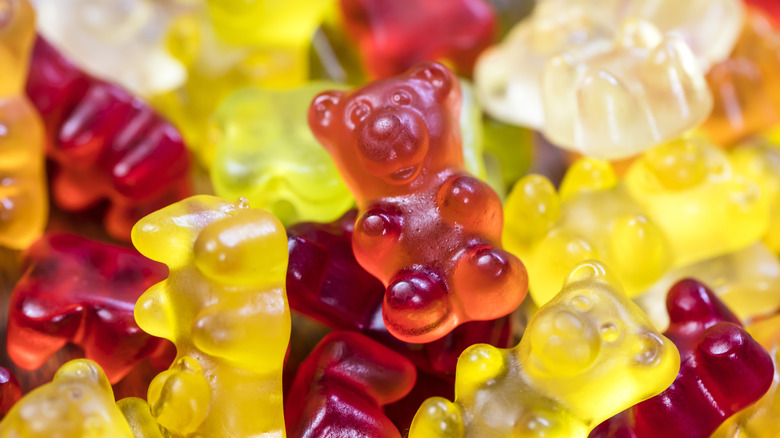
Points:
(322, 113)
(437, 75)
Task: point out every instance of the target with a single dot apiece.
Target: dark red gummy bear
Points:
(723, 370)
(326, 283)
(342, 386)
(428, 230)
(10, 391)
(394, 35)
(106, 143)
(78, 291)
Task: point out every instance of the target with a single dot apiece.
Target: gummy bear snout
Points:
(392, 144)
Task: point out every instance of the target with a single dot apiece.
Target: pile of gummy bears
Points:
(387, 218)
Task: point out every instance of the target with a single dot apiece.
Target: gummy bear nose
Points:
(392, 139)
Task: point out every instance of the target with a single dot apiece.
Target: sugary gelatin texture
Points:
(585, 356)
(395, 35)
(760, 419)
(427, 229)
(627, 223)
(325, 282)
(226, 45)
(106, 144)
(508, 74)
(78, 402)
(342, 386)
(267, 154)
(747, 281)
(614, 99)
(723, 371)
(79, 291)
(10, 391)
(224, 307)
(122, 41)
(24, 204)
(759, 161)
(746, 87)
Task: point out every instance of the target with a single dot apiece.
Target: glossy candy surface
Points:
(106, 144)
(224, 307)
(342, 386)
(585, 356)
(428, 230)
(325, 282)
(23, 199)
(395, 35)
(267, 154)
(79, 402)
(10, 391)
(79, 291)
(723, 371)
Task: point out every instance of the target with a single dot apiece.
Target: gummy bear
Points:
(760, 419)
(759, 161)
(106, 144)
(267, 154)
(746, 280)
(10, 391)
(395, 35)
(119, 40)
(627, 223)
(78, 402)
(723, 370)
(614, 100)
(326, 283)
(23, 198)
(585, 356)
(78, 291)
(745, 86)
(428, 230)
(224, 307)
(343, 384)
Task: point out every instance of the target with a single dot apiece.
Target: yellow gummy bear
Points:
(760, 419)
(267, 153)
(679, 204)
(230, 45)
(585, 356)
(79, 402)
(23, 195)
(225, 308)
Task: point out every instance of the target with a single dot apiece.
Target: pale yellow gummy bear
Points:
(24, 203)
(77, 403)
(759, 420)
(119, 40)
(585, 356)
(612, 100)
(679, 204)
(225, 308)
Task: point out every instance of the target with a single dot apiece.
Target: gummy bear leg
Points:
(416, 307)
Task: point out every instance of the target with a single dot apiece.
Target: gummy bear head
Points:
(592, 341)
(391, 133)
(79, 402)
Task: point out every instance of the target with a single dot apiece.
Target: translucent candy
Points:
(585, 356)
(122, 41)
(224, 306)
(24, 204)
(79, 402)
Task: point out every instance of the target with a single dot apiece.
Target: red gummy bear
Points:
(326, 283)
(428, 230)
(107, 144)
(722, 371)
(341, 387)
(394, 35)
(82, 292)
(10, 391)
(770, 6)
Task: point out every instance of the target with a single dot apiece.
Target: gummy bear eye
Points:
(401, 98)
(358, 112)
